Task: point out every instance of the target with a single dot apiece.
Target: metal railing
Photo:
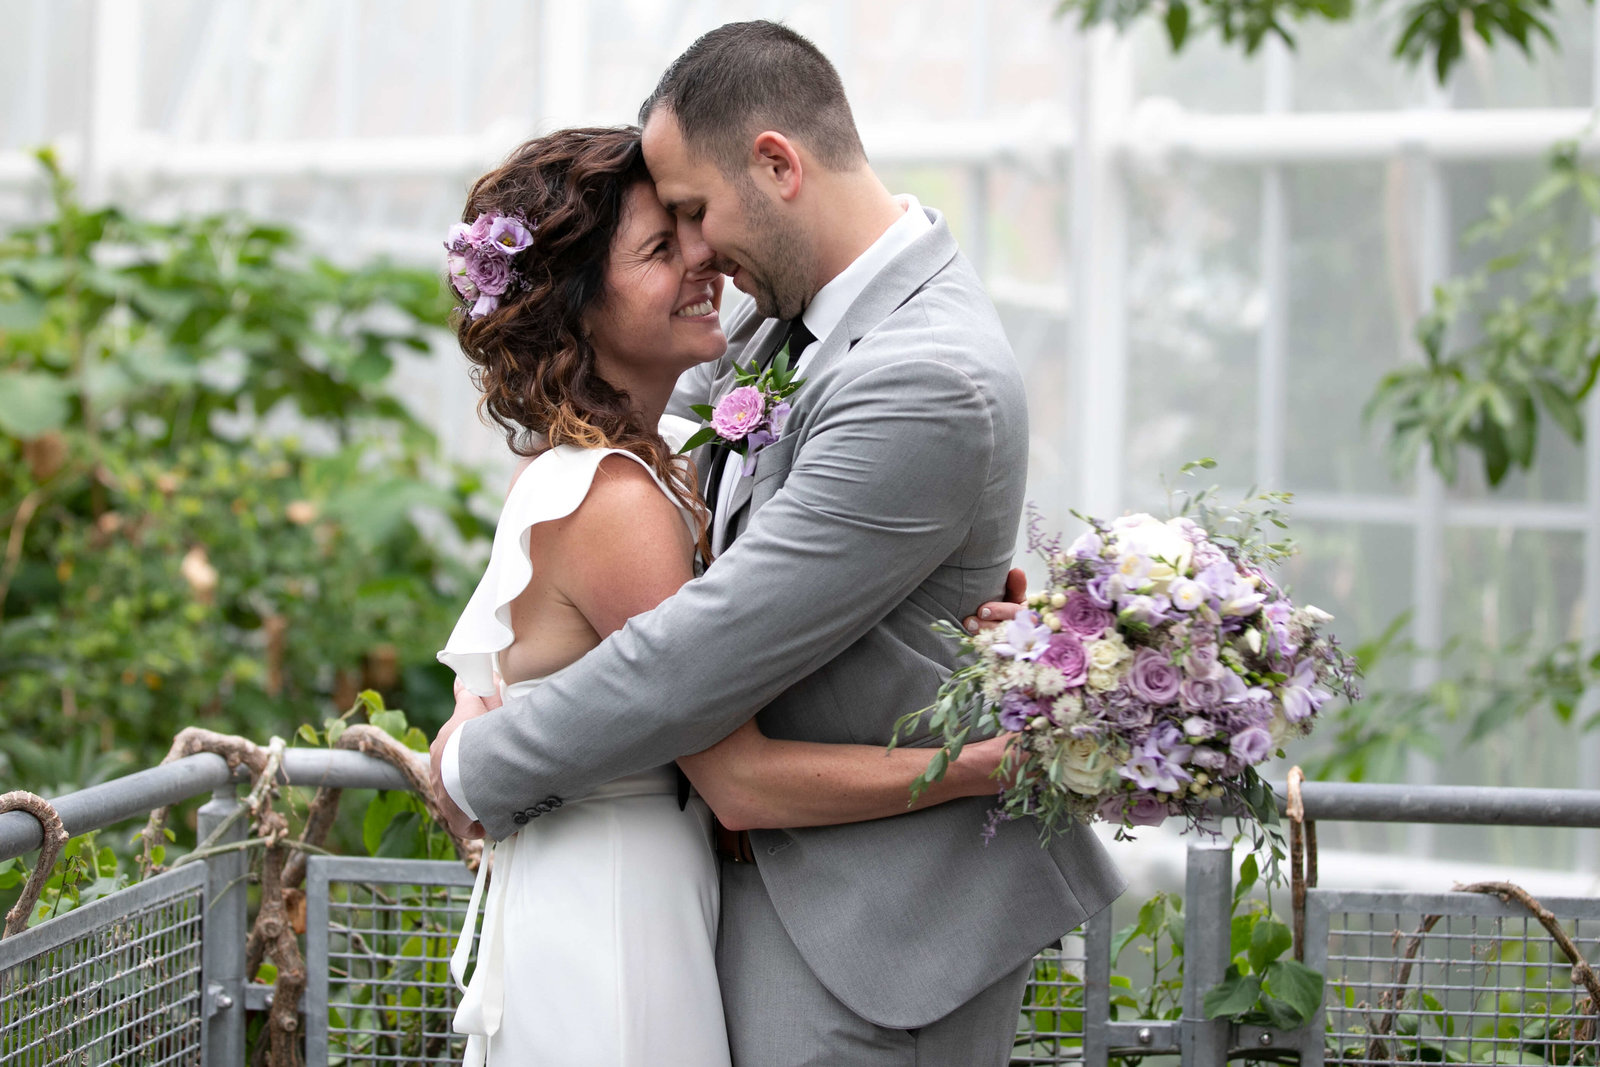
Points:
(155, 972)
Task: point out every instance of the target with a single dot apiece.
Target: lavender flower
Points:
(1025, 638)
(1145, 610)
(510, 234)
(1251, 746)
(490, 272)
(1016, 710)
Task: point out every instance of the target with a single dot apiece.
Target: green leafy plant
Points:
(211, 508)
(1262, 986)
(1430, 29)
(1536, 348)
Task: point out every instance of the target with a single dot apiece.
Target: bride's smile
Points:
(659, 315)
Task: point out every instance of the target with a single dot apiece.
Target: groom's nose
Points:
(697, 255)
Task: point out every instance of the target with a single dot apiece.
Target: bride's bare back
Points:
(577, 593)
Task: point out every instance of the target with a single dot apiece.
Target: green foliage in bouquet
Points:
(1533, 350)
(165, 561)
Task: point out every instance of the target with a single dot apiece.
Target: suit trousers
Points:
(780, 1015)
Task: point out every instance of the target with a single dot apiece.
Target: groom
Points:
(891, 501)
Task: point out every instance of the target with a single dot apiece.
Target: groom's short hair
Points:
(746, 77)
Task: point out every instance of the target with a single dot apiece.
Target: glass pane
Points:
(1206, 76)
(1350, 67)
(1351, 291)
(1195, 306)
(1556, 76)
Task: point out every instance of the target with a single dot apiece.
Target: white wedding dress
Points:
(599, 920)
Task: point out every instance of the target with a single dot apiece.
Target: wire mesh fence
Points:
(1451, 978)
(1051, 1029)
(117, 981)
(379, 937)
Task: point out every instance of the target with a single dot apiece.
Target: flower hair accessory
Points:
(752, 415)
(480, 259)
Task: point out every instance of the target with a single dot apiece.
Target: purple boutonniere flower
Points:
(752, 416)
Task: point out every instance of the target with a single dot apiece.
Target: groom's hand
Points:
(468, 706)
(996, 612)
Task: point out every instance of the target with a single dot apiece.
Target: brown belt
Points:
(732, 845)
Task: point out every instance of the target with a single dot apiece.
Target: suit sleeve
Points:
(882, 491)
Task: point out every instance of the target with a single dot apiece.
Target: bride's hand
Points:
(468, 706)
(982, 759)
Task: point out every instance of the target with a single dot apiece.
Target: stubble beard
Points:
(780, 281)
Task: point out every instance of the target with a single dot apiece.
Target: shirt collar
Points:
(835, 298)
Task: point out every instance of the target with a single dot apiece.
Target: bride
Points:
(599, 925)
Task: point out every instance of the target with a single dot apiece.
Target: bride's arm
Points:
(754, 782)
(622, 552)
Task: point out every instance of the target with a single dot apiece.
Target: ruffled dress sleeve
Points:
(549, 488)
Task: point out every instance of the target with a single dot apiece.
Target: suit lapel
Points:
(892, 286)
(764, 347)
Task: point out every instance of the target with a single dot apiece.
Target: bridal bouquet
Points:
(1158, 667)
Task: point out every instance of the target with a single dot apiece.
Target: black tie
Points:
(800, 339)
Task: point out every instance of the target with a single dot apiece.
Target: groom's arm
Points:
(884, 489)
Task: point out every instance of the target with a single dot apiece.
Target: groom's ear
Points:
(777, 165)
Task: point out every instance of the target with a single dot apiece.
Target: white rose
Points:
(1103, 681)
(1164, 544)
(1085, 766)
(1106, 652)
(1279, 728)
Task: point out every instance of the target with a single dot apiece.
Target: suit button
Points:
(520, 818)
(554, 802)
(541, 808)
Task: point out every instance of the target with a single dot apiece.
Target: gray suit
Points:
(892, 501)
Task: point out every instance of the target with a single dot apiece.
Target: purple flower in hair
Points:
(509, 234)
(489, 272)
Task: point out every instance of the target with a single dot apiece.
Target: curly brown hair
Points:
(531, 357)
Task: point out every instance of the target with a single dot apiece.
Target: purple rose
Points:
(1084, 617)
(510, 234)
(1065, 653)
(1201, 694)
(484, 305)
(1139, 809)
(1154, 678)
(1251, 746)
(490, 272)
(738, 413)
(478, 232)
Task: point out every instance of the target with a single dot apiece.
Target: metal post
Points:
(1208, 896)
(1097, 989)
(225, 930)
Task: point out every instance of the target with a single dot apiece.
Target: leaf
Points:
(392, 723)
(1296, 985)
(1234, 995)
(33, 404)
(402, 838)
(415, 740)
(1177, 24)
(1268, 941)
(21, 315)
(700, 437)
(334, 729)
(705, 411)
(1560, 407)
(1249, 872)
(1280, 1013)
(1124, 937)
(307, 733)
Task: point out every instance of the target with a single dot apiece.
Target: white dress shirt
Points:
(826, 310)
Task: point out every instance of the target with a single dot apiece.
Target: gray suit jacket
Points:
(892, 500)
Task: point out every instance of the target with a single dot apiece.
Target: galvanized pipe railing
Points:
(1202, 1042)
(136, 794)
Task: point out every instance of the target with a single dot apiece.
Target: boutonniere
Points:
(752, 415)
